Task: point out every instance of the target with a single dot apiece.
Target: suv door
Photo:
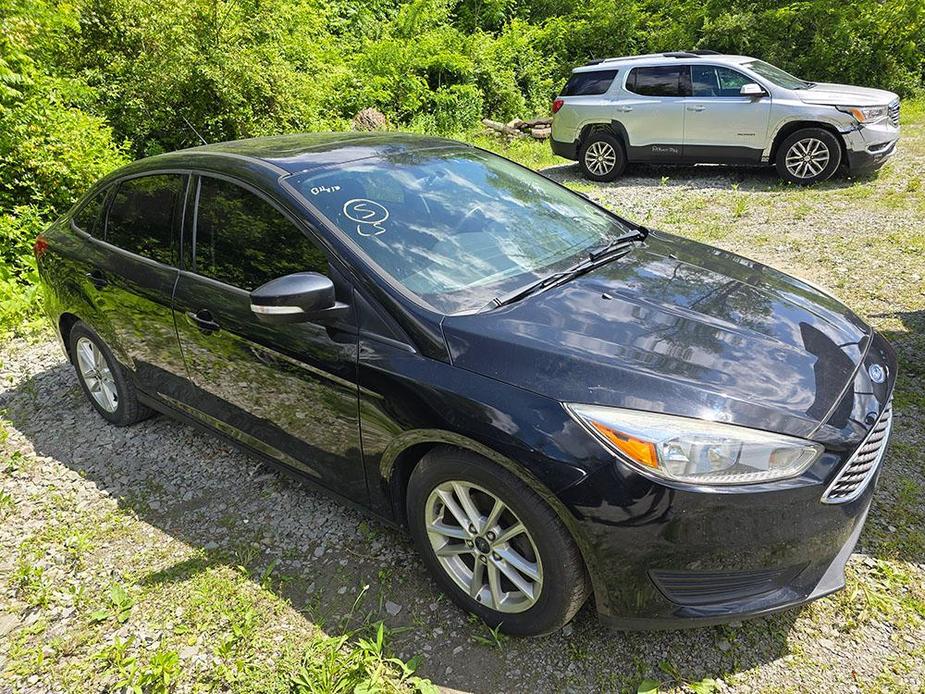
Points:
(652, 113)
(288, 390)
(133, 273)
(720, 125)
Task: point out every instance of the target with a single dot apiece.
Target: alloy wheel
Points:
(807, 158)
(96, 375)
(600, 158)
(483, 546)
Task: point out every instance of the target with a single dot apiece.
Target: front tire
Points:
(103, 379)
(494, 546)
(602, 157)
(808, 156)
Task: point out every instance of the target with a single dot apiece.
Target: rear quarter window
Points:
(589, 83)
(87, 218)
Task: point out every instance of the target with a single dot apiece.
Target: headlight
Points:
(695, 450)
(867, 114)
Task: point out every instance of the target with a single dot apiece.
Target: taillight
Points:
(557, 104)
(40, 246)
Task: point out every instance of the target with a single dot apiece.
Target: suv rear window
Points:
(657, 81)
(589, 83)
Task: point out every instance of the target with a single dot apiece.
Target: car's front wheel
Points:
(494, 546)
(602, 157)
(808, 156)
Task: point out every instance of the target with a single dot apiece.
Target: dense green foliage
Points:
(86, 84)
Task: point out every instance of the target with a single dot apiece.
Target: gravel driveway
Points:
(161, 507)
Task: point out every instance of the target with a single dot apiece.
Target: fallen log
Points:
(502, 128)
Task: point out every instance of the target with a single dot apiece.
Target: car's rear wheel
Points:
(102, 378)
(808, 156)
(494, 546)
(602, 157)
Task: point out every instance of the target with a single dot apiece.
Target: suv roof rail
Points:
(596, 61)
(681, 54)
(704, 51)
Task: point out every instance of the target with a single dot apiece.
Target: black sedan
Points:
(553, 400)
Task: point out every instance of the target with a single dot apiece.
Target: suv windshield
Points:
(457, 226)
(777, 76)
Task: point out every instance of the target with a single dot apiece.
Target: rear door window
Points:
(713, 80)
(589, 83)
(663, 80)
(243, 241)
(142, 216)
(88, 217)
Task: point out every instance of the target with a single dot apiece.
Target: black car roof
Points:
(304, 151)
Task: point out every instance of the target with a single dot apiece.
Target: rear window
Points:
(589, 83)
(656, 81)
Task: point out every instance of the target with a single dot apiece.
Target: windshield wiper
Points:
(595, 258)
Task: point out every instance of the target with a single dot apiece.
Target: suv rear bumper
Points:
(567, 150)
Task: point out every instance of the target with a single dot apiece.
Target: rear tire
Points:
(527, 582)
(808, 156)
(103, 379)
(602, 157)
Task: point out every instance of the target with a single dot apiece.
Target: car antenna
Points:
(201, 138)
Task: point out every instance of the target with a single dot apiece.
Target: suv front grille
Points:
(858, 471)
(893, 110)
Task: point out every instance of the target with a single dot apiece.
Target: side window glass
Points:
(142, 215)
(589, 83)
(87, 218)
(656, 81)
(244, 241)
(711, 80)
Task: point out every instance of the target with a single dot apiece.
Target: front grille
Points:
(717, 587)
(893, 109)
(858, 471)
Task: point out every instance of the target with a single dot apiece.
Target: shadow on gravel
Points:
(228, 505)
(899, 532)
(752, 179)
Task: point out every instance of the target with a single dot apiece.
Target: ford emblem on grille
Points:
(877, 373)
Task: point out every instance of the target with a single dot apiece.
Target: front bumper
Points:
(667, 557)
(869, 147)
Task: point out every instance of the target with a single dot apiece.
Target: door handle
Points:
(203, 320)
(696, 108)
(625, 109)
(97, 278)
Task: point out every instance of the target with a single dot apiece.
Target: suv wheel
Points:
(602, 157)
(102, 379)
(808, 156)
(493, 545)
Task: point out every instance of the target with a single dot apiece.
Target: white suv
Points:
(703, 107)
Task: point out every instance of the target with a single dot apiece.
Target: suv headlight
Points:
(866, 114)
(695, 450)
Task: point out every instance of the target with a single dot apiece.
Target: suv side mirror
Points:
(752, 89)
(297, 298)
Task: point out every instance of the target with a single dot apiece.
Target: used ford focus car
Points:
(555, 401)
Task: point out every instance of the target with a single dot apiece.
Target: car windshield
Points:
(777, 76)
(457, 226)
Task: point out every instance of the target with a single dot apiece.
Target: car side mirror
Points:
(297, 298)
(753, 90)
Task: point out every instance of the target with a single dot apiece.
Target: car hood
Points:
(845, 95)
(675, 327)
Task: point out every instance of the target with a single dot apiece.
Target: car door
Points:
(288, 390)
(133, 271)
(652, 113)
(721, 125)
